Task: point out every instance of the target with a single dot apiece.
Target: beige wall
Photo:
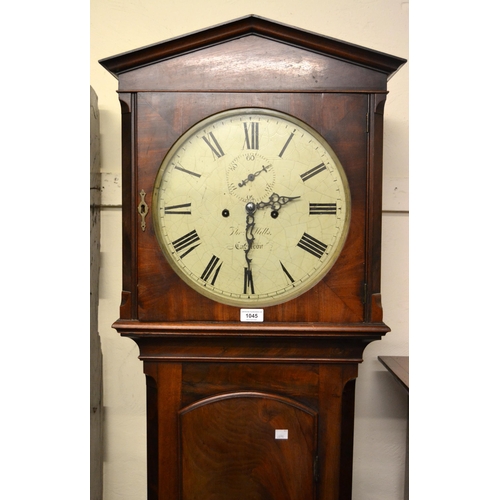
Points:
(380, 427)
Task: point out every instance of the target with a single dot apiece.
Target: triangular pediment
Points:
(249, 52)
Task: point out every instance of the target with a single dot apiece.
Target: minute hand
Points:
(276, 202)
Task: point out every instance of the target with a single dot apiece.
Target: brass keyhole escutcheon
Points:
(143, 209)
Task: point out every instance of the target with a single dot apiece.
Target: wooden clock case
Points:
(222, 394)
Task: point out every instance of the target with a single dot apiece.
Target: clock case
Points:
(196, 351)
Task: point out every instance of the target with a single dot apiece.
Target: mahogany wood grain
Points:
(339, 298)
(252, 64)
(230, 450)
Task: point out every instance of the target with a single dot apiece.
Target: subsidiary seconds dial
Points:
(251, 207)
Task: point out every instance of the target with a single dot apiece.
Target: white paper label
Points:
(281, 434)
(252, 315)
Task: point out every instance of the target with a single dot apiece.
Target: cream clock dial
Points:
(251, 207)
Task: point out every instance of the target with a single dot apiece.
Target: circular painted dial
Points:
(251, 207)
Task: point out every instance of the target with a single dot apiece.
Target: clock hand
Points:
(276, 202)
(251, 177)
(250, 224)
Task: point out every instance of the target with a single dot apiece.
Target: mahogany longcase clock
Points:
(252, 185)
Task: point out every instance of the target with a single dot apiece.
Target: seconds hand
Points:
(251, 177)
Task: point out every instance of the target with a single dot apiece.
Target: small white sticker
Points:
(252, 315)
(281, 434)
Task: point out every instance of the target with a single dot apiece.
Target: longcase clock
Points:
(252, 176)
